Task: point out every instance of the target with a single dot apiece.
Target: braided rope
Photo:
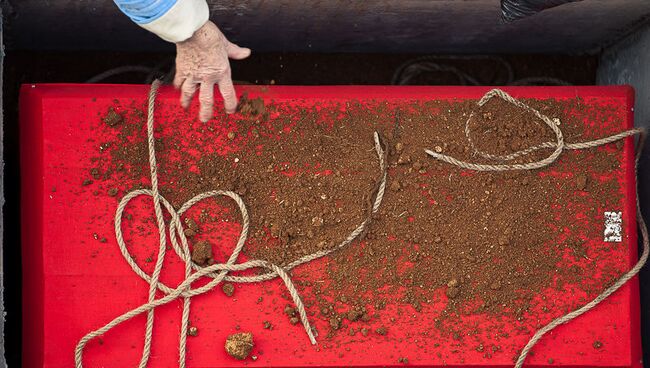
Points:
(559, 145)
(218, 272)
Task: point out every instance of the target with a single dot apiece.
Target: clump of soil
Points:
(239, 345)
(581, 182)
(228, 289)
(597, 344)
(202, 253)
(252, 107)
(113, 118)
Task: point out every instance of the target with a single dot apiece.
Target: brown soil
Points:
(113, 118)
(252, 107)
(239, 345)
(228, 289)
(202, 253)
(489, 240)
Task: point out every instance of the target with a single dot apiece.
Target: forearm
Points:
(171, 20)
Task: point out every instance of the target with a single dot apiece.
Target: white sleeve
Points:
(181, 21)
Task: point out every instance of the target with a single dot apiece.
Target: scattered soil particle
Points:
(294, 320)
(113, 118)
(335, 323)
(228, 289)
(290, 311)
(581, 182)
(395, 186)
(254, 107)
(193, 331)
(382, 330)
(112, 192)
(94, 172)
(192, 225)
(551, 360)
(597, 344)
(239, 345)
(268, 325)
(453, 292)
(354, 315)
(403, 360)
(202, 252)
(364, 331)
(86, 182)
(102, 239)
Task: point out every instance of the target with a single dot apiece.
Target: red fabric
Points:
(74, 284)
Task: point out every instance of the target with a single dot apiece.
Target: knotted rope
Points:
(558, 147)
(218, 272)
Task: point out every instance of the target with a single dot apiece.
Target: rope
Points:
(218, 272)
(558, 145)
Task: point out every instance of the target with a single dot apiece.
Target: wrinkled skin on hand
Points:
(201, 62)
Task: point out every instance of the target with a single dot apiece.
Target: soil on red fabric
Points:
(490, 241)
(239, 345)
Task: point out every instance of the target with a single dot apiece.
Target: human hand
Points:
(201, 62)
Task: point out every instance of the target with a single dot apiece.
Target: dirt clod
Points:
(94, 172)
(290, 311)
(228, 289)
(581, 182)
(254, 107)
(354, 315)
(239, 345)
(192, 225)
(113, 118)
(452, 292)
(202, 252)
(335, 323)
(597, 344)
